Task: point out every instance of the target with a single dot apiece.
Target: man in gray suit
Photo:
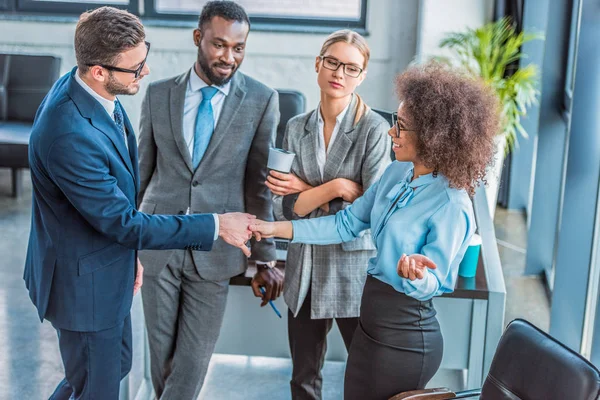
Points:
(204, 142)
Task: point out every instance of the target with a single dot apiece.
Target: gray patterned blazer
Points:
(334, 273)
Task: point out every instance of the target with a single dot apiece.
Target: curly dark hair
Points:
(228, 10)
(455, 118)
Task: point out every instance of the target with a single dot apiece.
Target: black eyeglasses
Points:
(396, 124)
(333, 64)
(136, 72)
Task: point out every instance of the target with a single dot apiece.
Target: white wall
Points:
(439, 17)
(281, 60)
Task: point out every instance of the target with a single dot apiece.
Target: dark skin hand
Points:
(269, 278)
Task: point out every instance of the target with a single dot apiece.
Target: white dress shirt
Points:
(108, 105)
(321, 151)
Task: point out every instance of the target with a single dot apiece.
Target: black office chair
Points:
(27, 79)
(291, 103)
(24, 81)
(388, 117)
(528, 365)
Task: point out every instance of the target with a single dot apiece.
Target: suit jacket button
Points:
(195, 183)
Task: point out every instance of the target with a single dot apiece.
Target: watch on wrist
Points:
(270, 264)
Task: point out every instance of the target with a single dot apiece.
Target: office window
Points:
(572, 57)
(280, 15)
(349, 9)
(67, 7)
(325, 13)
(82, 1)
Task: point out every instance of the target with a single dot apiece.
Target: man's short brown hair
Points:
(103, 34)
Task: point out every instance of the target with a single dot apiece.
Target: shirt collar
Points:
(422, 180)
(108, 105)
(196, 83)
(340, 116)
(405, 188)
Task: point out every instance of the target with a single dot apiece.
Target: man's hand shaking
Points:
(234, 229)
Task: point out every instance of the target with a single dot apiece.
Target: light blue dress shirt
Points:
(424, 216)
(193, 98)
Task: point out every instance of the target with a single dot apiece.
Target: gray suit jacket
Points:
(334, 273)
(230, 176)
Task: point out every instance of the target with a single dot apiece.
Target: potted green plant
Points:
(493, 52)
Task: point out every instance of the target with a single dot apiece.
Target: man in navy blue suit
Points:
(81, 260)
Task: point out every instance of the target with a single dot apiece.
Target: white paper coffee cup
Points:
(280, 160)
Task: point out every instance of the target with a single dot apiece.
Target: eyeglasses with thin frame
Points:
(333, 64)
(396, 124)
(136, 72)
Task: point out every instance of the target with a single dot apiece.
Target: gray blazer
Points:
(334, 273)
(230, 176)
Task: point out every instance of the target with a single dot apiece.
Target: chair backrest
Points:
(388, 117)
(291, 103)
(4, 60)
(24, 81)
(529, 364)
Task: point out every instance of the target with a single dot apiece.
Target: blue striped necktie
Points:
(205, 125)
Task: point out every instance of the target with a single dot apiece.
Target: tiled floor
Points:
(30, 365)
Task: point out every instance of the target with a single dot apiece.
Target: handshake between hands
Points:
(237, 228)
(234, 229)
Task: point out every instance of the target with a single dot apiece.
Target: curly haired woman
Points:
(420, 216)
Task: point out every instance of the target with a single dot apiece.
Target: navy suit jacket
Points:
(85, 228)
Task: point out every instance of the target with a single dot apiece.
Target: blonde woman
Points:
(341, 149)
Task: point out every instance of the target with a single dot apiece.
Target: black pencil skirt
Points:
(397, 345)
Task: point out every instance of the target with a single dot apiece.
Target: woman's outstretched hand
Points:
(262, 229)
(265, 229)
(414, 266)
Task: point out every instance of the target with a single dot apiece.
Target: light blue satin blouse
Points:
(424, 216)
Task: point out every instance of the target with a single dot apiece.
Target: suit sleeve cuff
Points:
(216, 235)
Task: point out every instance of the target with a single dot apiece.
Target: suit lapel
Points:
(177, 101)
(102, 122)
(231, 106)
(308, 149)
(91, 109)
(340, 146)
(133, 154)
